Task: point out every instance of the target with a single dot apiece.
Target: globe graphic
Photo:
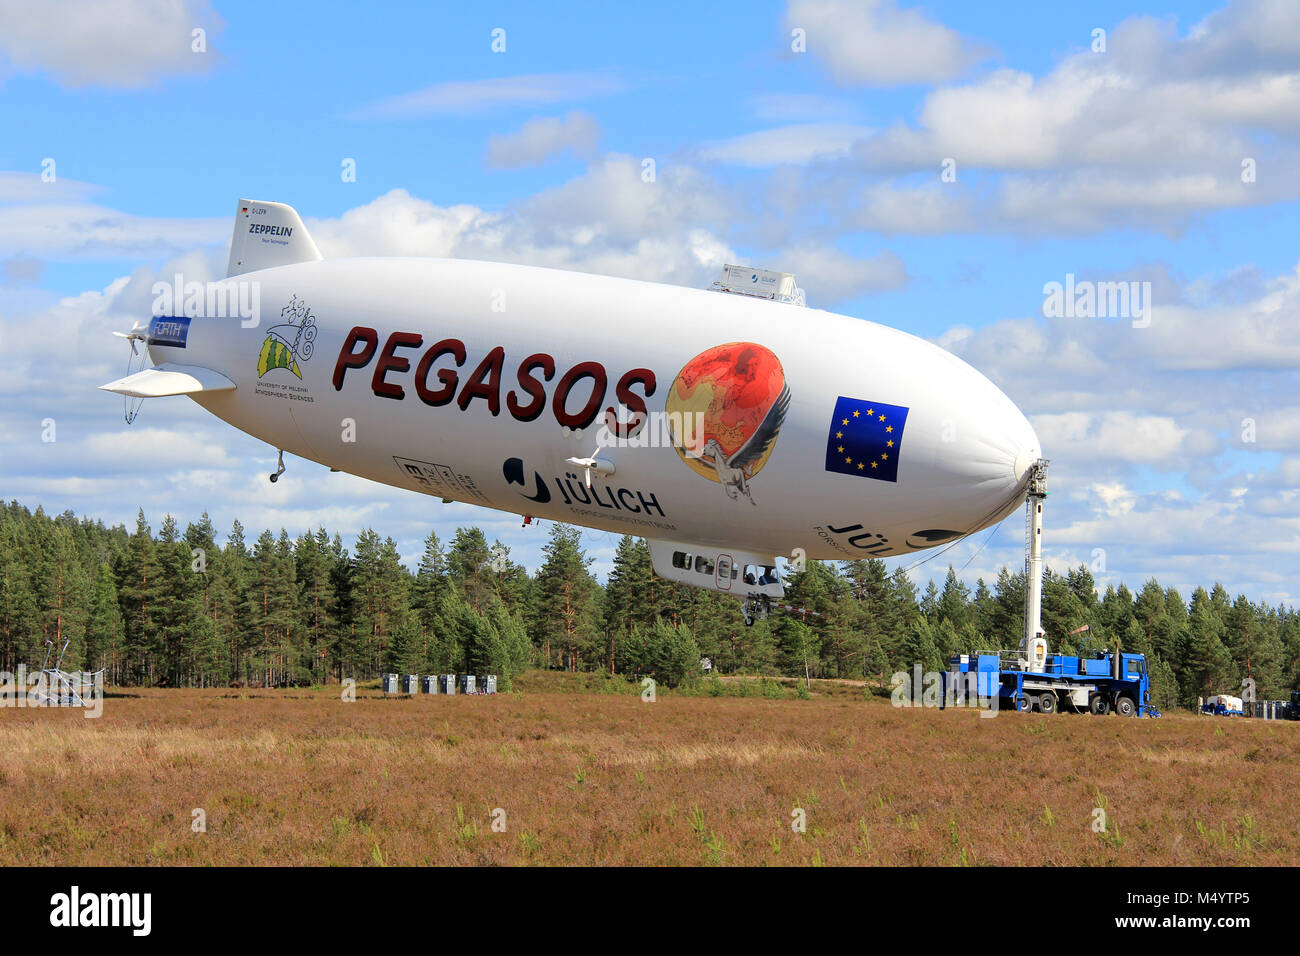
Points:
(731, 388)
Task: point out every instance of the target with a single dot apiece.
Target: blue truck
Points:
(1047, 683)
(1030, 679)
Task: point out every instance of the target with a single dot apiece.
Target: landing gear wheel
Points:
(755, 607)
(279, 469)
(1047, 703)
(1124, 706)
(1097, 705)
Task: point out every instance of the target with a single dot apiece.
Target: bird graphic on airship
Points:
(738, 394)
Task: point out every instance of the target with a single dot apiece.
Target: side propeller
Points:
(138, 333)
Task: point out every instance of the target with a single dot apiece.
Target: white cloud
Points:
(1160, 128)
(801, 108)
(798, 144)
(608, 220)
(86, 231)
(893, 208)
(53, 221)
(398, 224)
(31, 187)
(1263, 333)
(875, 43)
(1109, 364)
(1116, 499)
(830, 275)
(542, 138)
(127, 43)
(614, 203)
(475, 96)
(1144, 430)
(1147, 103)
(1274, 429)
(1124, 437)
(20, 269)
(163, 448)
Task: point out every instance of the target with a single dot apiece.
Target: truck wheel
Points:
(1097, 705)
(1047, 703)
(1124, 706)
(1027, 704)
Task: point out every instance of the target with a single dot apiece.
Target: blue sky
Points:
(1123, 163)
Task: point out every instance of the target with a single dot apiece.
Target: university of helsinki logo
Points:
(290, 341)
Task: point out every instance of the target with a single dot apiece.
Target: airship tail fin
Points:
(268, 234)
(169, 379)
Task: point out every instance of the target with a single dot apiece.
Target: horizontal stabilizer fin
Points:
(268, 234)
(168, 379)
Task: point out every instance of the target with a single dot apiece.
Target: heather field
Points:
(587, 776)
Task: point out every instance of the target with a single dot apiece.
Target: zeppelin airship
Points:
(727, 426)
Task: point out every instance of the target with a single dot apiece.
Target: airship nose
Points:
(1031, 454)
(1010, 445)
(984, 450)
(1002, 447)
(1019, 444)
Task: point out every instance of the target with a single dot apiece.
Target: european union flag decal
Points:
(865, 439)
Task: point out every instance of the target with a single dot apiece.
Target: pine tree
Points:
(430, 591)
(796, 644)
(233, 610)
(209, 653)
(20, 640)
(1008, 609)
(105, 630)
(1207, 667)
(985, 614)
(271, 606)
(920, 647)
(346, 649)
(513, 646)
(61, 591)
(564, 621)
(139, 589)
(469, 562)
(930, 602)
(823, 597)
(902, 593)
(953, 601)
(618, 606)
(871, 613)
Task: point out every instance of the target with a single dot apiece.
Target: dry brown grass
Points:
(299, 777)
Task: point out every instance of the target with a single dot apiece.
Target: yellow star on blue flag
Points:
(865, 439)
